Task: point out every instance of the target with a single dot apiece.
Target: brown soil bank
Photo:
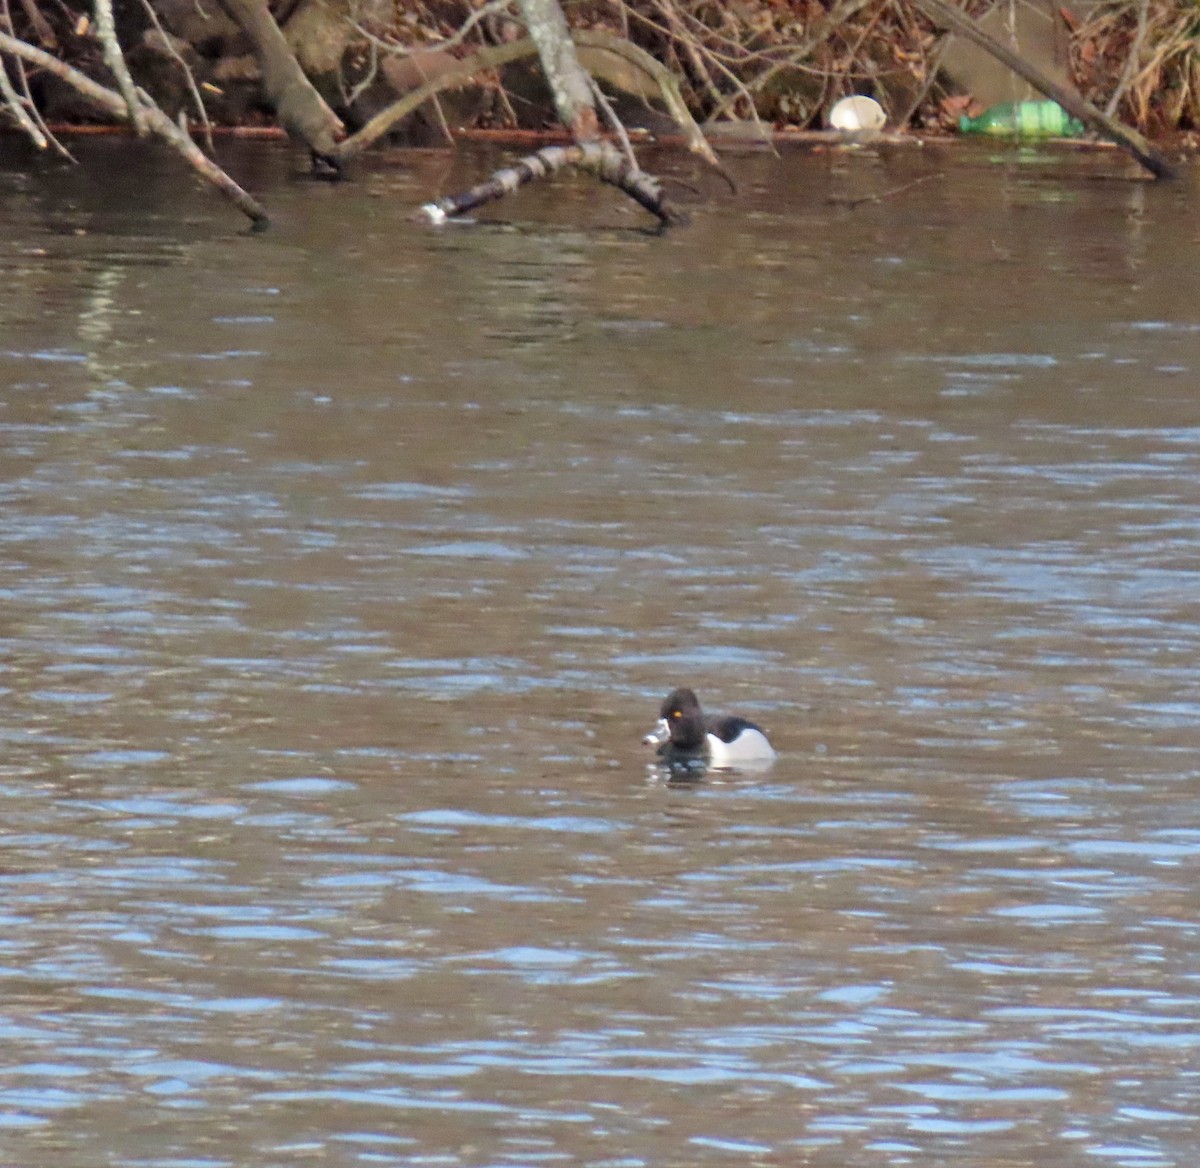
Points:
(782, 62)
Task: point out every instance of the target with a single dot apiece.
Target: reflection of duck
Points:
(684, 734)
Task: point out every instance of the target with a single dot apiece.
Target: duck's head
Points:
(680, 722)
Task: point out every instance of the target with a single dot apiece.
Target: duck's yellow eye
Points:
(676, 713)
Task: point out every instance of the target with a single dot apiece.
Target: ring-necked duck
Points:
(686, 735)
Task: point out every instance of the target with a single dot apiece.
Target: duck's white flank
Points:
(750, 747)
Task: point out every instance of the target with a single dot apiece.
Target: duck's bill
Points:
(658, 735)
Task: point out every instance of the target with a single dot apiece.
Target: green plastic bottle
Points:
(1023, 119)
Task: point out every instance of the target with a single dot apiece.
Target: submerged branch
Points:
(599, 157)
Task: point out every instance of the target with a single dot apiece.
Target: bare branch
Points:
(36, 114)
(495, 56)
(598, 156)
(197, 100)
(155, 120)
(1132, 61)
(701, 56)
(489, 58)
(614, 122)
(106, 30)
(690, 48)
(494, 8)
(12, 100)
(25, 97)
(667, 82)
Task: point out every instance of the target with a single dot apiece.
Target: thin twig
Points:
(436, 102)
(357, 92)
(933, 66)
(615, 124)
(187, 73)
(908, 186)
(494, 8)
(36, 114)
(11, 98)
(443, 125)
(450, 42)
(26, 95)
(691, 50)
(494, 56)
(500, 94)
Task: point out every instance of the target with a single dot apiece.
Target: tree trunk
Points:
(301, 109)
(106, 30)
(568, 81)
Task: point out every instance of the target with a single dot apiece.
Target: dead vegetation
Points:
(1140, 60)
(787, 61)
(784, 62)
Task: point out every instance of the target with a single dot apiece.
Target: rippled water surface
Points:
(342, 569)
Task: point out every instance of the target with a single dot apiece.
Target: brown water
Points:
(343, 568)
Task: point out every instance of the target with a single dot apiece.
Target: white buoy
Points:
(857, 113)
